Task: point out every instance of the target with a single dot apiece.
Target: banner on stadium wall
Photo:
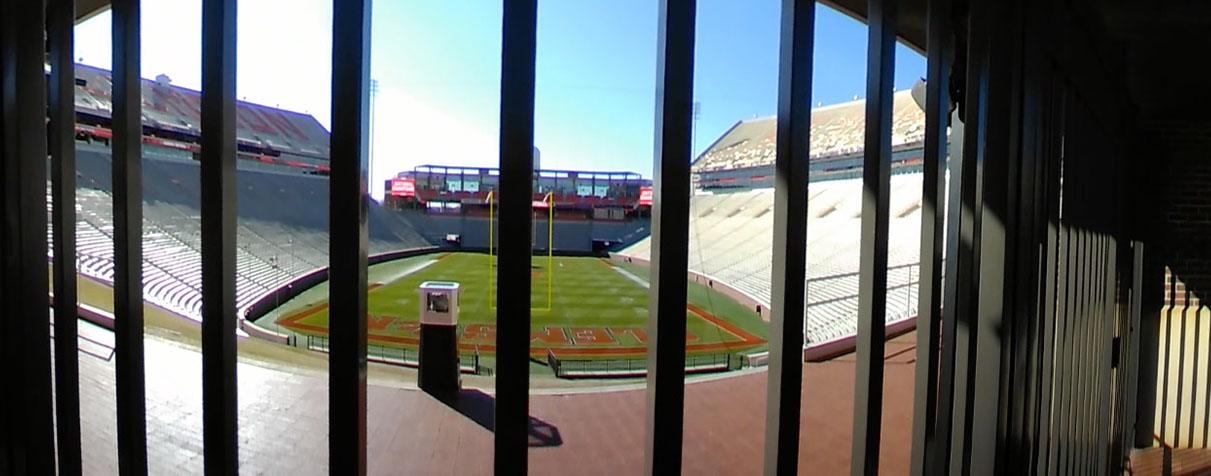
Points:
(403, 187)
(454, 184)
(601, 190)
(645, 196)
(584, 189)
(470, 185)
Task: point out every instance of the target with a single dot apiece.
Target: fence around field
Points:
(467, 363)
(638, 367)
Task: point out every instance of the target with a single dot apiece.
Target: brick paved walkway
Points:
(283, 422)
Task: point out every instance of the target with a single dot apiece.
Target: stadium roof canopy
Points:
(85, 9)
(836, 130)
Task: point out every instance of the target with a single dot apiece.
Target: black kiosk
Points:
(439, 371)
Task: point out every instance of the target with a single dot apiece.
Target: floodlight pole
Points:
(373, 111)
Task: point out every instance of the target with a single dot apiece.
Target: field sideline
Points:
(596, 311)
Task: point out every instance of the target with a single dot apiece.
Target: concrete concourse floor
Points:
(283, 420)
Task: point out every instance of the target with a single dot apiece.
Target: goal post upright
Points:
(550, 199)
(491, 216)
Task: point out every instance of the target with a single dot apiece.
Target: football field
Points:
(584, 307)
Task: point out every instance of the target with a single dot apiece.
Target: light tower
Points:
(373, 99)
(697, 113)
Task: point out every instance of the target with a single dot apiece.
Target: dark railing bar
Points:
(876, 191)
(1035, 251)
(1062, 346)
(1133, 287)
(218, 202)
(1106, 411)
(999, 172)
(27, 412)
(1181, 371)
(1052, 287)
(1094, 368)
(348, 237)
(937, 461)
(1080, 374)
(670, 234)
(1171, 295)
(60, 24)
(967, 280)
(517, 91)
(787, 297)
(1098, 328)
(939, 48)
(128, 238)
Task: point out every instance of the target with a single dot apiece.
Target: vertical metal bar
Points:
(1105, 342)
(1206, 395)
(1150, 289)
(1089, 359)
(991, 396)
(968, 253)
(938, 459)
(1075, 403)
(1080, 320)
(670, 237)
(1194, 376)
(219, 418)
(1093, 345)
(60, 24)
(1086, 363)
(1053, 289)
(1060, 360)
(872, 266)
(516, 218)
(128, 238)
(27, 422)
(1089, 371)
(1102, 335)
(1164, 388)
(1036, 135)
(1063, 355)
(788, 298)
(1181, 371)
(1064, 360)
(1034, 235)
(348, 236)
(939, 47)
(1134, 364)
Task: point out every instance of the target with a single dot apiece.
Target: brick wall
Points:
(1183, 161)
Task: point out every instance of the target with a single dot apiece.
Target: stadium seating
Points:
(178, 110)
(281, 234)
(836, 130)
(731, 240)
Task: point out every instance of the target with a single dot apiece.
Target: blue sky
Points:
(438, 67)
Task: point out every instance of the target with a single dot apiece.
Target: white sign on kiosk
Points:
(439, 303)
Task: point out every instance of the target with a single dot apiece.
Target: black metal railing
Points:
(405, 357)
(638, 367)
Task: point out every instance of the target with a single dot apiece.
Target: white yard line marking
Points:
(403, 274)
(631, 276)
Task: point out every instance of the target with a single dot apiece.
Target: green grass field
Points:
(597, 309)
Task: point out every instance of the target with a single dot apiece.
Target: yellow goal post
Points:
(548, 201)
